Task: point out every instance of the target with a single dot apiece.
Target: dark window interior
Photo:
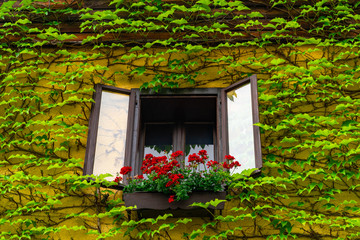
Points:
(200, 137)
(178, 109)
(159, 137)
(178, 123)
(199, 134)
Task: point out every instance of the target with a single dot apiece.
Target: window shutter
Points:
(108, 130)
(241, 138)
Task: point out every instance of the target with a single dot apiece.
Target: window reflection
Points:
(240, 126)
(199, 137)
(111, 135)
(158, 139)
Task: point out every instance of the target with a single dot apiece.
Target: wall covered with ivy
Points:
(305, 54)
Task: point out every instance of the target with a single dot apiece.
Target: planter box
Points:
(159, 201)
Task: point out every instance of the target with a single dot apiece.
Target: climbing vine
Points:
(305, 55)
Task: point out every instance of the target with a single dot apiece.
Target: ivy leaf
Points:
(195, 48)
(139, 70)
(117, 2)
(204, 2)
(289, 140)
(184, 220)
(151, 8)
(348, 123)
(179, 21)
(255, 14)
(277, 61)
(136, 48)
(278, 20)
(193, 35)
(159, 60)
(196, 233)
(219, 26)
(213, 203)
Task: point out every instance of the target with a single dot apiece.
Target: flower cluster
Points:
(159, 166)
(125, 170)
(118, 179)
(170, 176)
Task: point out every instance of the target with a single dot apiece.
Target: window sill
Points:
(150, 204)
(159, 201)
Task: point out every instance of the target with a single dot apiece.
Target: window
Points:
(125, 125)
(174, 121)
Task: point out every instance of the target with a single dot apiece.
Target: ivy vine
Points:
(306, 56)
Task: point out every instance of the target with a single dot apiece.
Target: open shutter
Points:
(132, 156)
(241, 138)
(108, 131)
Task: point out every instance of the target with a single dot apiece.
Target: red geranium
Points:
(229, 157)
(174, 179)
(165, 174)
(171, 198)
(226, 165)
(148, 156)
(203, 152)
(195, 158)
(125, 170)
(235, 163)
(118, 179)
(177, 154)
(212, 163)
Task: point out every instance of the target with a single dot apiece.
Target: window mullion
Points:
(179, 138)
(218, 141)
(134, 156)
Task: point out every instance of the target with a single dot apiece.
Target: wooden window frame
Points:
(179, 135)
(138, 137)
(252, 80)
(94, 124)
(134, 134)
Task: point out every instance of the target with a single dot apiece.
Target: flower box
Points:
(159, 201)
(166, 187)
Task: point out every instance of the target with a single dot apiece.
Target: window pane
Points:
(199, 137)
(240, 126)
(158, 139)
(111, 135)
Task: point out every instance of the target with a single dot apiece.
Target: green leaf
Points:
(180, 21)
(255, 14)
(289, 140)
(277, 61)
(184, 220)
(207, 204)
(138, 70)
(136, 48)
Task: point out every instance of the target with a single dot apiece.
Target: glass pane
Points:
(111, 135)
(159, 139)
(240, 126)
(199, 137)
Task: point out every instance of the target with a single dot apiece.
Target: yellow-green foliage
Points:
(309, 97)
